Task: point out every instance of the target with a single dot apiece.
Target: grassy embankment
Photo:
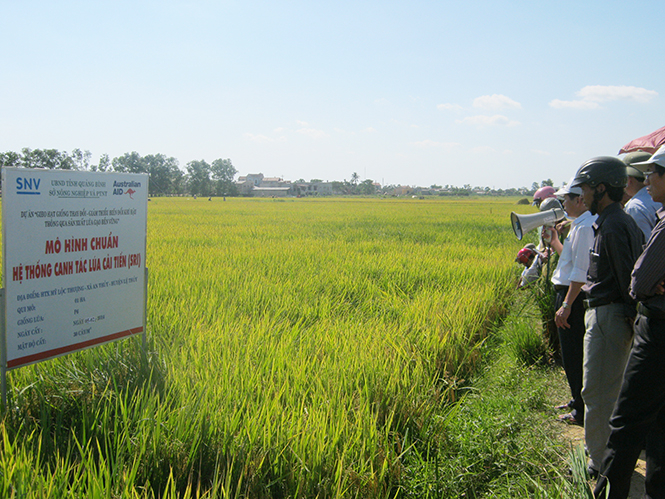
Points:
(298, 348)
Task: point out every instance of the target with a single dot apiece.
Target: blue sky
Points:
(498, 94)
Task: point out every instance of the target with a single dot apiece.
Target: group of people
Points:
(610, 313)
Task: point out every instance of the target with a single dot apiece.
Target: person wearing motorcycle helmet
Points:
(550, 204)
(638, 421)
(542, 194)
(609, 307)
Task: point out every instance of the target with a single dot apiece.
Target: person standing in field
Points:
(568, 279)
(640, 206)
(639, 415)
(533, 261)
(609, 307)
(542, 194)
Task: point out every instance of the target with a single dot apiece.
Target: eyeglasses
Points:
(657, 169)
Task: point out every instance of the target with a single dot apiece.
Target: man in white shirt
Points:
(568, 278)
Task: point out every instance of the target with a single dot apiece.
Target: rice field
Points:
(296, 348)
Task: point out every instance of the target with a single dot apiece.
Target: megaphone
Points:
(524, 223)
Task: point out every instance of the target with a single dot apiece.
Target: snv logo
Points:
(27, 185)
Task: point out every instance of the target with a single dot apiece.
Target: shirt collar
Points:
(609, 209)
(582, 218)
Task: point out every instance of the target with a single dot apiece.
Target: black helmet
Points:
(550, 204)
(601, 170)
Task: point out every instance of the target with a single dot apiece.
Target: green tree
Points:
(104, 164)
(81, 159)
(130, 162)
(222, 174)
(162, 171)
(10, 158)
(198, 178)
(50, 159)
(367, 187)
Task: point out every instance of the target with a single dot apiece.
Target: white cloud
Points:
(432, 143)
(370, 129)
(481, 120)
(449, 107)
(496, 102)
(573, 104)
(302, 123)
(313, 133)
(592, 95)
(600, 93)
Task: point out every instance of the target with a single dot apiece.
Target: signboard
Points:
(74, 260)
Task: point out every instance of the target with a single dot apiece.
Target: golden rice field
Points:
(297, 348)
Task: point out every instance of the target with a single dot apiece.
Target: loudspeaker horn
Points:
(524, 223)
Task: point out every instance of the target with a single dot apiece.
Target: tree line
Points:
(200, 178)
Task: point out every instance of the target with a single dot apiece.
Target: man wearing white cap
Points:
(568, 279)
(640, 206)
(638, 419)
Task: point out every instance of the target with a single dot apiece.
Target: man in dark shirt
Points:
(609, 307)
(639, 415)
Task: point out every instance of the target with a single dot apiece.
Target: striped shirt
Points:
(649, 270)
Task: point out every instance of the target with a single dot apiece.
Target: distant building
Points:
(314, 189)
(403, 190)
(256, 185)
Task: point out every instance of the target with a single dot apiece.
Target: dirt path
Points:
(575, 435)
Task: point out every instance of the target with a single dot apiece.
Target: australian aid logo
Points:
(28, 186)
(125, 188)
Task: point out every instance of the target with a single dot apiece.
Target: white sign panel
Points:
(74, 260)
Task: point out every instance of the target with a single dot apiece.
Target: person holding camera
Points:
(568, 279)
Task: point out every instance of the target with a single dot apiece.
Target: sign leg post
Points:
(3, 351)
(144, 336)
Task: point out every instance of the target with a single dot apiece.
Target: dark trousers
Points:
(572, 349)
(639, 416)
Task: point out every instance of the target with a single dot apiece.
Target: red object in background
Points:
(649, 143)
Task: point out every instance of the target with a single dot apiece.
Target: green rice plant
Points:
(526, 342)
(299, 348)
